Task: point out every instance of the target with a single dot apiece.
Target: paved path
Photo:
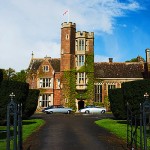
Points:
(72, 132)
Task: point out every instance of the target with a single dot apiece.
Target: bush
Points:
(6, 88)
(31, 103)
(133, 93)
(117, 103)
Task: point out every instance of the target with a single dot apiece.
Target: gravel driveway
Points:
(72, 132)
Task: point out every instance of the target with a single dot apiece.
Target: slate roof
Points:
(35, 64)
(55, 62)
(118, 70)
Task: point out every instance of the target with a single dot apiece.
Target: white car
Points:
(57, 109)
(93, 109)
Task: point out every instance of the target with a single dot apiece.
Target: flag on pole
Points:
(65, 12)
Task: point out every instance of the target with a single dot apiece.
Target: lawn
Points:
(29, 126)
(117, 127)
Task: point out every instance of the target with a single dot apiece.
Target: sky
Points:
(121, 28)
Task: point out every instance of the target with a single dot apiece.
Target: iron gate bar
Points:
(146, 111)
(141, 125)
(19, 126)
(132, 127)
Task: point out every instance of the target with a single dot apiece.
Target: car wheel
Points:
(103, 111)
(50, 112)
(87, 112)
(68, 112)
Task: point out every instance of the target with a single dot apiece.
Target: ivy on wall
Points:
(69, 88)
(88, 68)
(69, 83)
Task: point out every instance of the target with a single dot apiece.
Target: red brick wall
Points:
(67, 48)
(56, 89)
(56, 97)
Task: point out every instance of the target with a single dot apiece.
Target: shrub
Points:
(133, 93)
(6, 88)
(31, 103)
(117, 103)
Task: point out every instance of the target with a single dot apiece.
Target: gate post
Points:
(14, 119)
(146, 115)
(11, 114)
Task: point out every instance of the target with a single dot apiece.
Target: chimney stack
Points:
(147, 55)
(110, 60)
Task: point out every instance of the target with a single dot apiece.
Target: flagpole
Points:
(68, 15)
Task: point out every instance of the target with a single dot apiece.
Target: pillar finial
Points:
(32, 54)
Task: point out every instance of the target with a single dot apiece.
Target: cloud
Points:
(99, 58)
(28, 26)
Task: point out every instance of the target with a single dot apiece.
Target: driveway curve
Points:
(72, 132)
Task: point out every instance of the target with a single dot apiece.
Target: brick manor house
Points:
(74, 79)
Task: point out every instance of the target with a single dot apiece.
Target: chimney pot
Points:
(110, 60)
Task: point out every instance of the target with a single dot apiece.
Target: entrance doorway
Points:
(80, 104)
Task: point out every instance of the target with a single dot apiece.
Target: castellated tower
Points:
(76, 66)
(68, 32)
(67, 62)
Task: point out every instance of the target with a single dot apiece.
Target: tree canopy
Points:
(11, 74)
(137, 59)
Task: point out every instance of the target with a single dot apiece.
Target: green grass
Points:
(117, 127)
(29, 126)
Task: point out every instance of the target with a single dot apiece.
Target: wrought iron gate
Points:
(14, 125)
(138, 127)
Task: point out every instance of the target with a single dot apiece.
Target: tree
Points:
(137, 59)
(9, 74)
(20, 76)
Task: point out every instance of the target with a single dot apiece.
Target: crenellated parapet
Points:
(68, 25)
(84, 34)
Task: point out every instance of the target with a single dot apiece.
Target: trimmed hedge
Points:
(134, 93)
(23, 95)
(131, 92)
(117, 103)
(31, 103)
(20, 91)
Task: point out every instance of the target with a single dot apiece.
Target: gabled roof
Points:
(55, 62)
(36, 62)
(118, 70)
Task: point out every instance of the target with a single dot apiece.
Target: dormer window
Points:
(46, 68)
